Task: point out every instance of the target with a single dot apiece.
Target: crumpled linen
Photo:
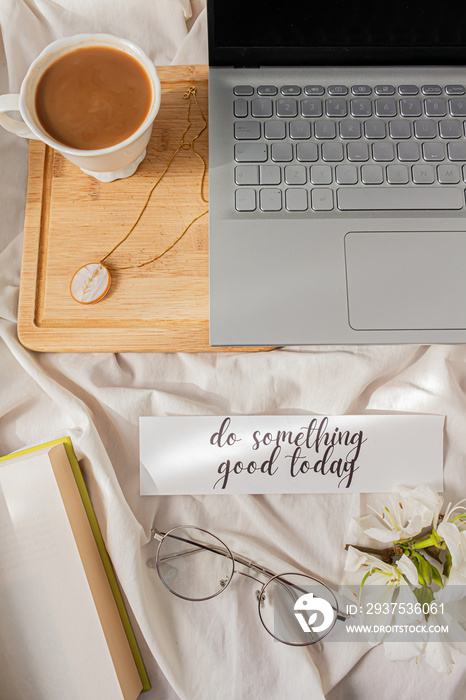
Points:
(203, 651)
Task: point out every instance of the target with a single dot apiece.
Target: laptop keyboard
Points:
(349, 148)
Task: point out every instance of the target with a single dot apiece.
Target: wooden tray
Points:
(72, 219)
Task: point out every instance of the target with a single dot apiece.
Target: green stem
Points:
(433, 540)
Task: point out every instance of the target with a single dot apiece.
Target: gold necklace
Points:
(91, 282)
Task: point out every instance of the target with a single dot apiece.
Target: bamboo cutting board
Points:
(72, 219)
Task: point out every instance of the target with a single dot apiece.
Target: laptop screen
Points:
(340, 32)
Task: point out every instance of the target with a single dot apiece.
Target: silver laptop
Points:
(337, 172)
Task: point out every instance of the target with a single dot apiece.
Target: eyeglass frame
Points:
(250, 564)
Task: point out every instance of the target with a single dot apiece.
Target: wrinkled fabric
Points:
(215, 649)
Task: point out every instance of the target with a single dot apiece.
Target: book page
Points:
(51, 641)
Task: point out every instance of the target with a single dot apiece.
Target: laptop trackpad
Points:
(406, 280)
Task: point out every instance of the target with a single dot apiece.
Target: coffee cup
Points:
(51, 110)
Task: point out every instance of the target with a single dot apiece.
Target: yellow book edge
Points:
(88, 507)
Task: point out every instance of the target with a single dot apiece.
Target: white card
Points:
(289, 454)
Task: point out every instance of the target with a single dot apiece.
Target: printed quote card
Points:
(289, 454)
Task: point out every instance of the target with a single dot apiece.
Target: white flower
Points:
(427, 497)
(375, 571)
(384, 583)
(452, 530)
(451, 615)
(435, 648)
(409, 513)
(376, 579)
(438, 655)
(437, 651)
(436, 545)
(375, 584)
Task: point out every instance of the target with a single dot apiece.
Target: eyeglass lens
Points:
(188, 567)
(297, 609)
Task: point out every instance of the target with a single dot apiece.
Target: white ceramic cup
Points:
(105, 164)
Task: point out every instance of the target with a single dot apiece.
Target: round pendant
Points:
(90, 283)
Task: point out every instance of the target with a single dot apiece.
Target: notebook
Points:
(337, 173)
(65, 631)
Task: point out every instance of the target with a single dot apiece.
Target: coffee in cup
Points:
(91, 97)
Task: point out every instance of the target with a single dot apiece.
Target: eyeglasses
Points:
(193, 564)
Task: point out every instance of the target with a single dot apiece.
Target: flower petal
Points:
(358, 526)
(455, 541)
(438, 655)
(409, 571)
(437, 651)
(382, 535)
(426, 495)
(355, 560)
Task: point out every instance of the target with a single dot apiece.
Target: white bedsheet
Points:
(216, 649)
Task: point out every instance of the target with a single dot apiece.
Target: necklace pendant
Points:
(90, 283)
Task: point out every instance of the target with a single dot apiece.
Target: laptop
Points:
(337, 172)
